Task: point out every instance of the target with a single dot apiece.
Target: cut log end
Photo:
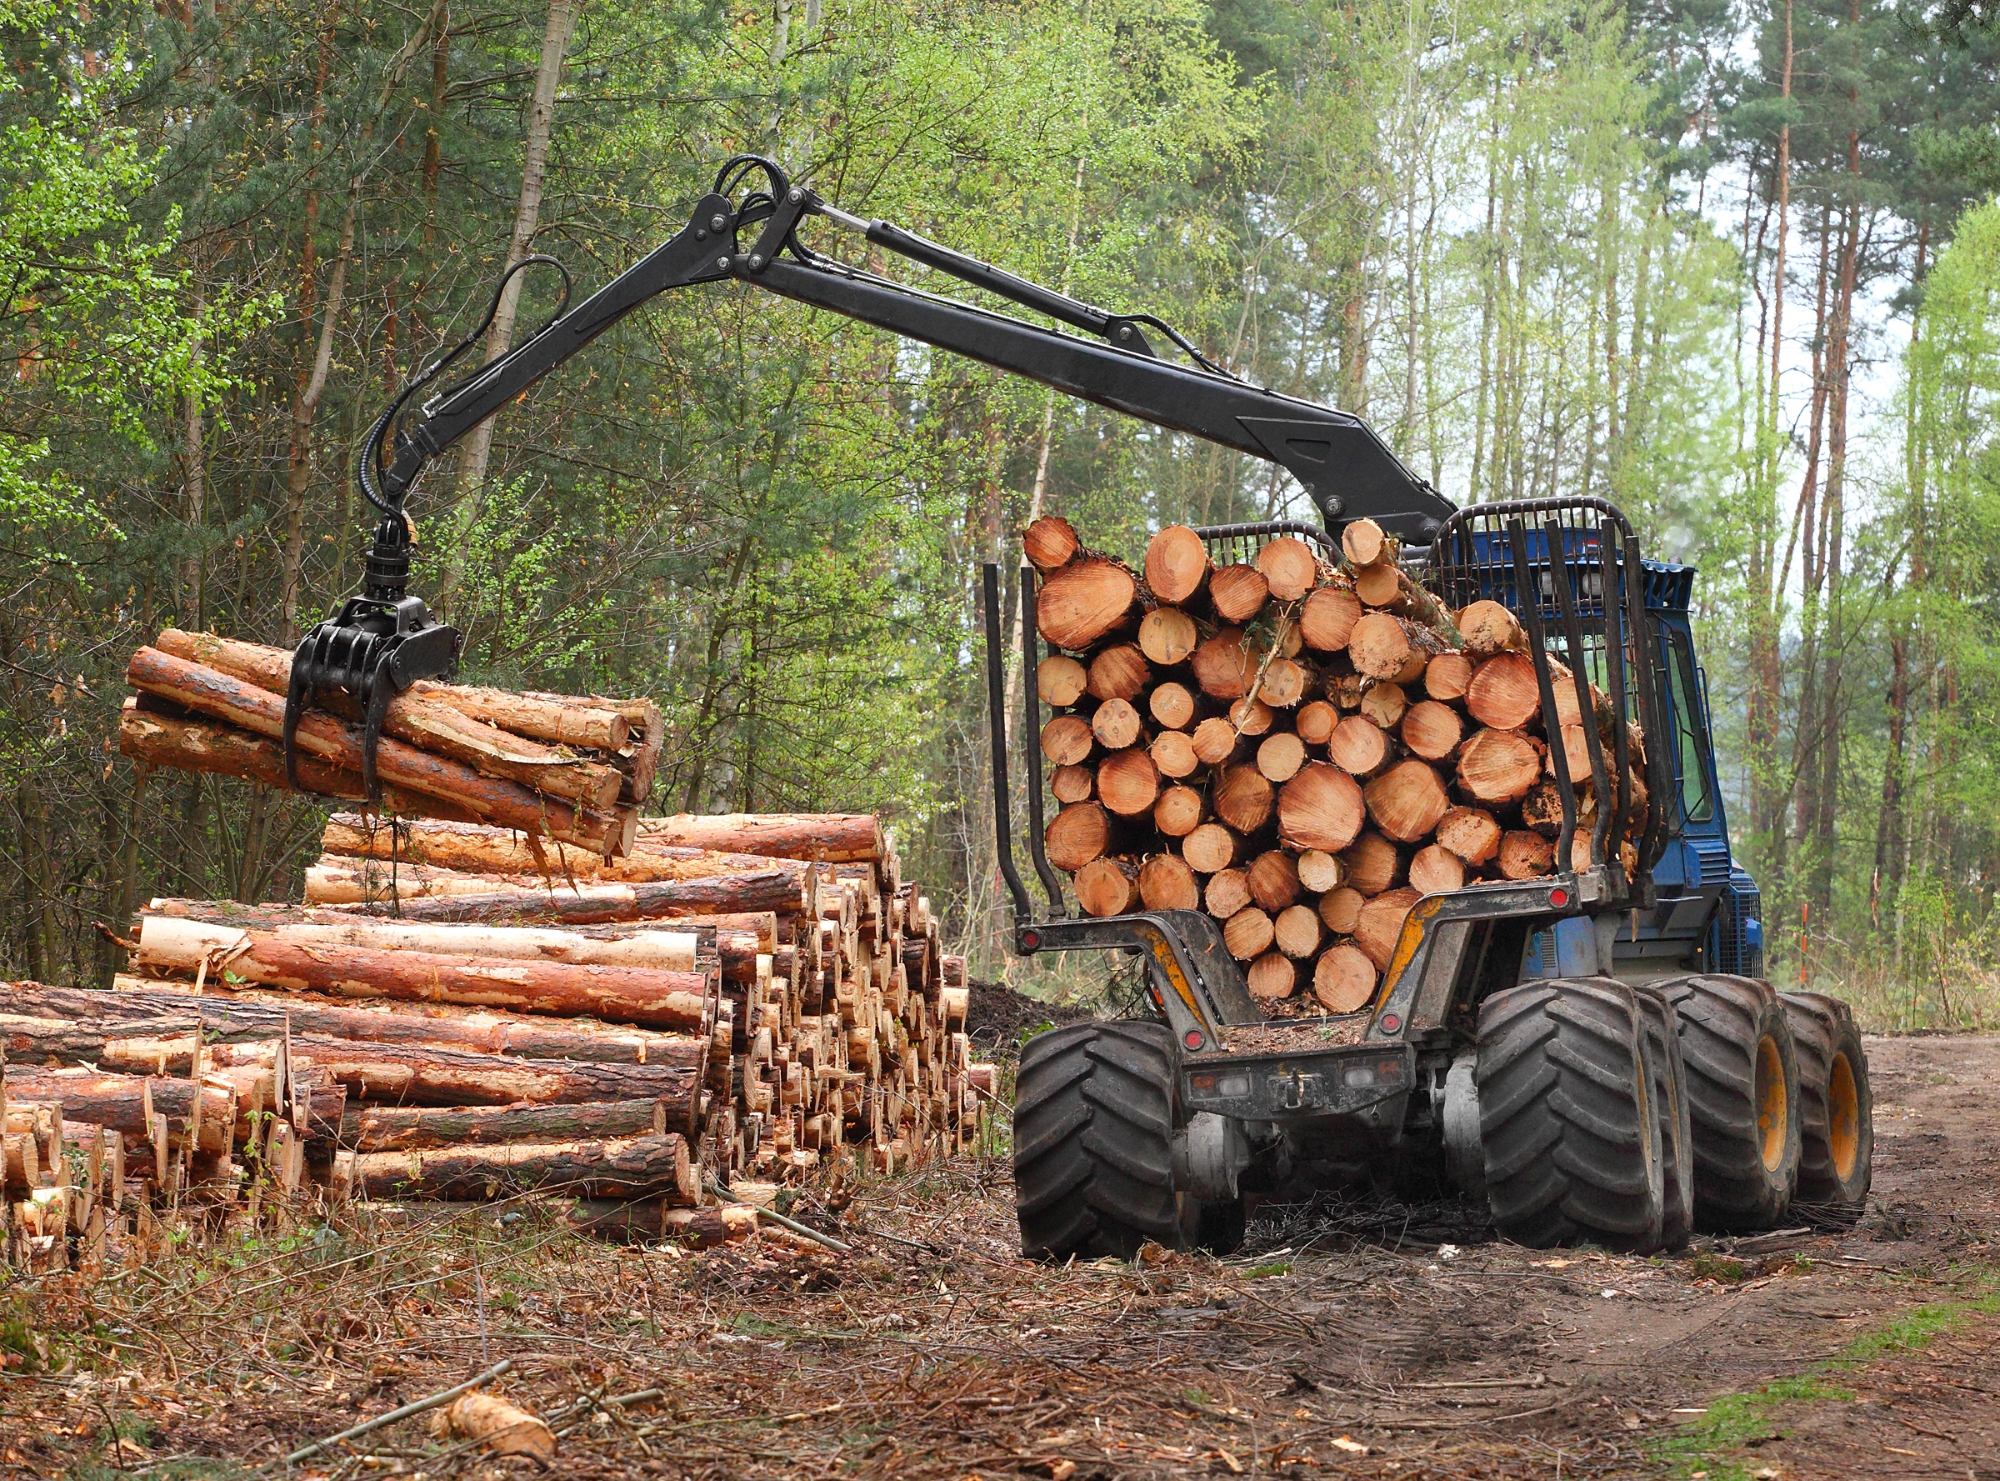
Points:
(1344, 979)
(1084, 602)
(1177, 564)
(1107, 886)
(1289, 568)
(1322, 807)
(1272, 977)
(1121, 671)
(1050, 543)
(1239, 593)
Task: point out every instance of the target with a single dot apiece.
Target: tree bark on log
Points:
(831, 838)
(210, 692)
(232, 1017)
(649, 1220)
(157, 733)
(408, 1074)
(605, 904)
(420, 718)
(124, 1102)
(421, 1128)
(474, 848)
(577, 723)
(632, 1167)
(663, 951)
(674, 1000)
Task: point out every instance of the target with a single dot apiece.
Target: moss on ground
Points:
(1713, 1443)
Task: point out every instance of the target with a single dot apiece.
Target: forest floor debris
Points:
(1366, 1338)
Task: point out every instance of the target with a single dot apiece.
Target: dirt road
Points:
(1363, 1340)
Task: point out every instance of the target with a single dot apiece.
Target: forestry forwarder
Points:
(1592, 1053)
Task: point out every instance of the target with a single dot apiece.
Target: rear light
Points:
(1559, 897)
(1363, 1074)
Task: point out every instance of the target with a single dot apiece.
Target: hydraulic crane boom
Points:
(383, 641)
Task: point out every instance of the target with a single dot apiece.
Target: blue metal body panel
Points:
(1706, 910)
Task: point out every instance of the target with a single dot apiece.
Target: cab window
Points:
(1684, 695)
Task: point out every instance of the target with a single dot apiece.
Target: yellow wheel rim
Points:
(1843, 1117)
(1773, 1103)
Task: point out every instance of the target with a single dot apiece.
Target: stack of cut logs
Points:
(1303, 749)
(738, 996)
(569, 768)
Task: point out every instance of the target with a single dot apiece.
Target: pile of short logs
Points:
(461, 1012)
(564, 767)
(1301, 747)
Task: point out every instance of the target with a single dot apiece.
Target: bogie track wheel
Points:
(1743, 1098)
(1836, 1109)
(1663, 1049)
(1093, 1141)
(1566, 1115)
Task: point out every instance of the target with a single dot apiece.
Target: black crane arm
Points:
(383, 640)
(1344, 467)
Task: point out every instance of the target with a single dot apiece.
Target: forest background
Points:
(1733, 265)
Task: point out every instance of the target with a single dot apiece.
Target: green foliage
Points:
(1522, 239)
(93, 312)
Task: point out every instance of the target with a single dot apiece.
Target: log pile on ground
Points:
(1302, 748)
(569, 768)
(749, 1011)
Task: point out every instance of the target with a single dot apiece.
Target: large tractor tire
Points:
(1836, 1109)
(1566, 1115)
(1743, 1096)
(1093, 1141)
(1663, 1053)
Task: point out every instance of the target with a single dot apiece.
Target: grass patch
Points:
(1719, 1267)
(1734, 1422)
(1273, 1267)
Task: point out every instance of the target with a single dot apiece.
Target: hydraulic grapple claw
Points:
(379, 644)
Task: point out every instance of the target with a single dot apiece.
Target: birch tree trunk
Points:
(478, 447)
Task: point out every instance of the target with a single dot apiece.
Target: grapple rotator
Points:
(375, 647)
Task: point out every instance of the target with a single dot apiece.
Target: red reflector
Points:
(1558, 897)
(1032, 940)
(1194, 1039)
(1391, 1022)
